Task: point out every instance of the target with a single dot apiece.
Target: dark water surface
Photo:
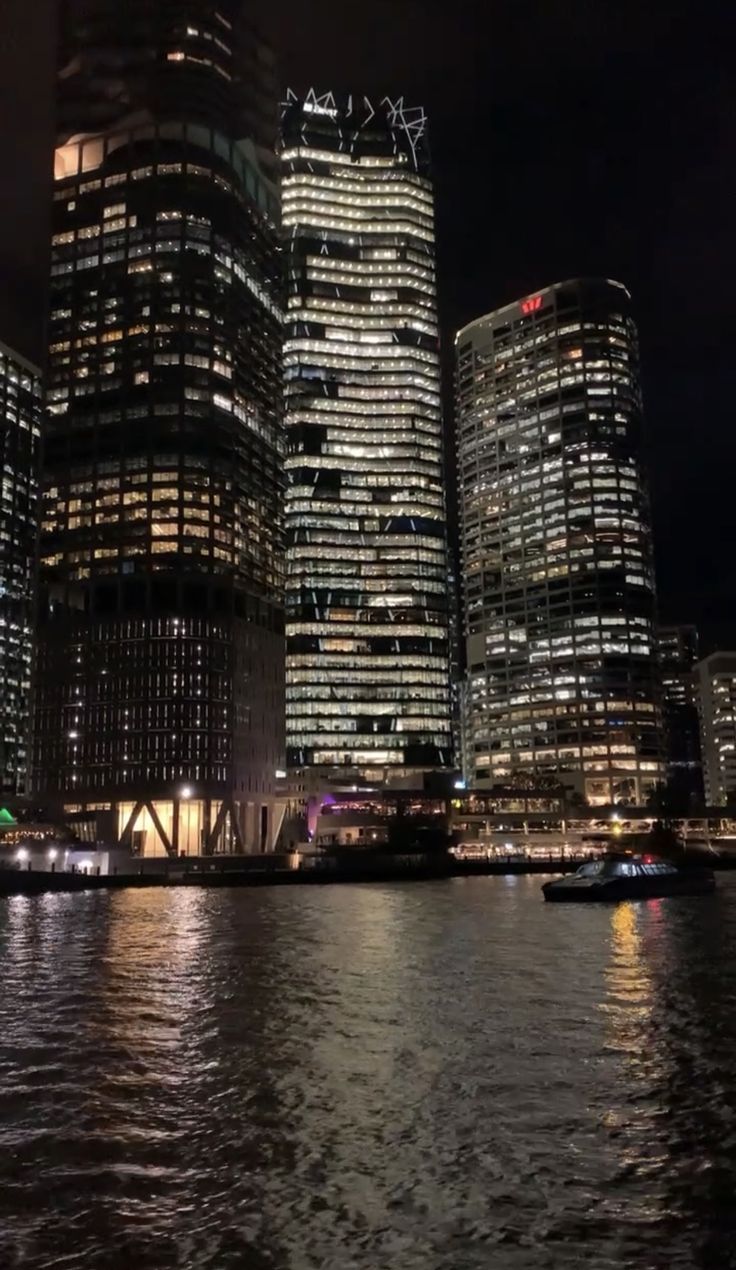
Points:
(435, 1076)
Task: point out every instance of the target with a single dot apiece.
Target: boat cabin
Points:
(632, 868)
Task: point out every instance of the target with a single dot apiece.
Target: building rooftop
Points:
(495, 314)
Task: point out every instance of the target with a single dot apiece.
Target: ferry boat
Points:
(629, 878)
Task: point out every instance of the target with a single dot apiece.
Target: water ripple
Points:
(444, 1076)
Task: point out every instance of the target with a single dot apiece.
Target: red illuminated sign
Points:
(531, 306)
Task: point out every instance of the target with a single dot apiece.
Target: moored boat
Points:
(629, 878)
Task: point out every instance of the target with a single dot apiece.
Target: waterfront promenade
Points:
(272, 871)
(239, 871)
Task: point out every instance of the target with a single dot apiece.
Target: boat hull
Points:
(613, 890)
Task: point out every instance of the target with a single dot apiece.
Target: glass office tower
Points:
(20, 447)
(556, 547)
(367, 609)
(161, 660)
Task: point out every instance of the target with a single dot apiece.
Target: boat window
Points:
(616, 869)
(623, 869)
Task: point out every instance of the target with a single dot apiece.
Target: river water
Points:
(429, 1076)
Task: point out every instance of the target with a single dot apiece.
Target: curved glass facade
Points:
(556, 546)
(367, 620)
(162, 552)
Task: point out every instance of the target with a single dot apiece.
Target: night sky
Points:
(569, 137)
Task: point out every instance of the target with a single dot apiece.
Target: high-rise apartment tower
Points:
(716, 694)
(678, 655)
(367, 608)
(20, 451)
(161, 659)
(556, 547)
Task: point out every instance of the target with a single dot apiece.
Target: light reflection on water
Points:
(436, 1076)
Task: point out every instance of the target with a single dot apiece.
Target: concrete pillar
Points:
(243, 823)
(206, 825)
(175, 826)
(252, 822)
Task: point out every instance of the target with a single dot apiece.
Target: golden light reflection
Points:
(629, 986)
(151, 999)
(625, 937)
(152, 967)
(628, 1008)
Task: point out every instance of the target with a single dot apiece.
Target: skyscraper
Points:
(678, 654)
(20, 444)
(716, 688)
(367, 609)
(556, 546)
(161, 658)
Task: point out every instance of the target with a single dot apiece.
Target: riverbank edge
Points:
(215, 874)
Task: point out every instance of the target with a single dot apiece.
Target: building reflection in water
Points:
(151, 1001)
(627, 1009)
(670, 1021)
(280, 1077)
(696, 1023)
